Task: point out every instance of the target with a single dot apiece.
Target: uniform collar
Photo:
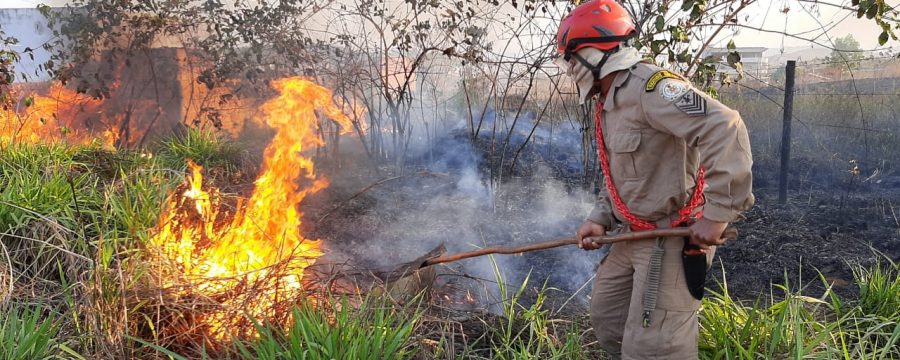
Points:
(621, 76)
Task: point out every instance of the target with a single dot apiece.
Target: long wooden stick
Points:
(730, 233)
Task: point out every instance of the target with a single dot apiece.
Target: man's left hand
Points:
(706, 233)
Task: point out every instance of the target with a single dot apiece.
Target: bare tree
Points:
(377, 54)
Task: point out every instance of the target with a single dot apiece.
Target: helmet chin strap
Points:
(595, 69)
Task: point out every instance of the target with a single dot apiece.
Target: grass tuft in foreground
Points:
(205, 148)
(527, 332)
(25, 334)
(797, 326)
(336, 329)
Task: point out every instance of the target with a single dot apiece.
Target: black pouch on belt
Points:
(694, 269)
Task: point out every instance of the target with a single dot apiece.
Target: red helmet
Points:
(600, 24)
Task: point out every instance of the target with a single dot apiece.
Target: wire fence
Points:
(842, 126)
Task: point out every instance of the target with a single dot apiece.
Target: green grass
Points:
(792, 325)
(336, 329)
(38, 184)
(87, 192)
(786, 325)
(785, 329)
(528, 332)
(72, 224)
(25, 334)
(205, 148)
(879, 289)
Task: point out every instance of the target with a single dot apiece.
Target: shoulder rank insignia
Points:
(657, 77)
(692, 104)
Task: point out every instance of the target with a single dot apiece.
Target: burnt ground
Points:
(825, 228)
(818, 231)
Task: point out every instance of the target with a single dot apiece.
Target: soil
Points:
(817, 232)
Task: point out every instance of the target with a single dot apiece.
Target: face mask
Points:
(584, 78)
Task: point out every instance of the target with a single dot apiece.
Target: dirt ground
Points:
(818, 231)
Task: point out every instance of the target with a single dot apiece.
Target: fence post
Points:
(786, 131)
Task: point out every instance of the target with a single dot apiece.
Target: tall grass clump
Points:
(870, 327)
(798, 326)
(785, 328)
(47, 200)
(41, 183)
(67, 199)
(525, 331)
(25, 334)
(879, 289)
(71, 223)
(335, 329)
(205, 148)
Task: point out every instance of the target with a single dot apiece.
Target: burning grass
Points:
(249, 259)
(57, 114)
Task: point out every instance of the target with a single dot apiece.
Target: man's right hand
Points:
(586, 230)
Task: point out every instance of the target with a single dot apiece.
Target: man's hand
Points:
(588, 229)
(706, 233)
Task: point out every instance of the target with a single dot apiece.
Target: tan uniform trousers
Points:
(617, 304)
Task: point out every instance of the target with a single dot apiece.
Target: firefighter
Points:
(670, 156)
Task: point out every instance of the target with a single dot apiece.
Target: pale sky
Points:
(799, 19)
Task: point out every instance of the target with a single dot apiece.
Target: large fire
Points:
(60, 114)
(256, 248)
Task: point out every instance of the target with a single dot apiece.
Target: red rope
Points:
(636, 223)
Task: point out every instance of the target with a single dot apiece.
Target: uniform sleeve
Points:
(721, 137)
(602, 213)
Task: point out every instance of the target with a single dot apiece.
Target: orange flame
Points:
(60, 115)
(263, 236)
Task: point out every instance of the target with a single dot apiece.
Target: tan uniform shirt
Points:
(658, 130)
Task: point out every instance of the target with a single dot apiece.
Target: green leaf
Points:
(29, 101)
(731, 45)
(733, 58)
(71, 352)
(169, 353)
(657, 45)
(883, 38)
(698, 11)
(872, 11)
(679, 34)
(660, 23)
(687, 5)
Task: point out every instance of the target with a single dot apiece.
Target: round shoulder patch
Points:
(673, 89)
